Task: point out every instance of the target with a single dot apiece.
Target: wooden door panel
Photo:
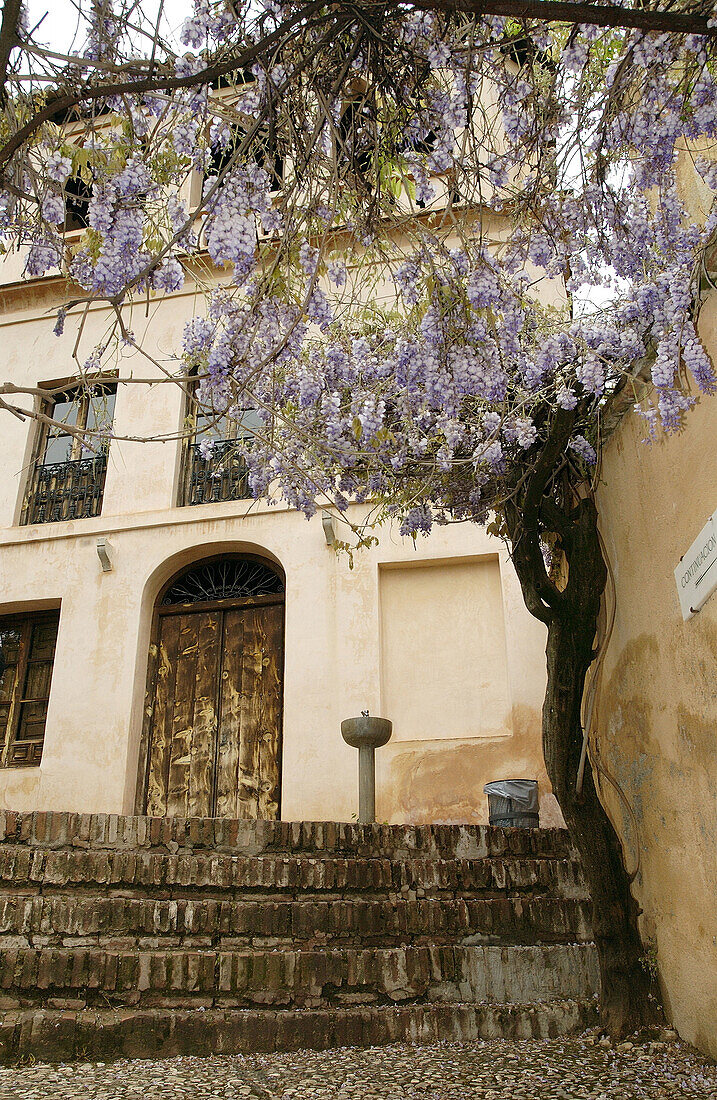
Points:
(181, 771)
(230, 710)
(182, 713)
(200, 796)
(162, 710)
(216, 723)
(260, 713)
(272, 698)
(247, 805)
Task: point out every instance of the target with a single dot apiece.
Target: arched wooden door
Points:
(213, 733)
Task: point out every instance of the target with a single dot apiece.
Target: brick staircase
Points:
(139, 936)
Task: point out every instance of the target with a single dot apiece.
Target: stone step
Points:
(150, 936)
(295, 979)
(61, 1035)
(66, 919)
(30, 869)
(70, 830)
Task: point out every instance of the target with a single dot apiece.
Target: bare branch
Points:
(161, 82)
(559, 11)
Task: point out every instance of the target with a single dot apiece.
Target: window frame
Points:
(191, 441)
(57, 389)
(25, 622)
(79, 389)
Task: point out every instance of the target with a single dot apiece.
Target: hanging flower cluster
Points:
(437, 233)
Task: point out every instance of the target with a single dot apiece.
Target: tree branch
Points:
(529, 584)
(8, 39)
(524, 522)
(559, 11)
(88, 93)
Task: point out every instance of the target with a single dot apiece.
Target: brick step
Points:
(55, 1035)
(296, 979)
(112, 831)
(26, 869)
(62, 919)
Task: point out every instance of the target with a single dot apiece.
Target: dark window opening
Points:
(356, 140)
(522, 50)
(27, 654)
(78, 193)
(263, 151)
(69, 473)
(423, 145)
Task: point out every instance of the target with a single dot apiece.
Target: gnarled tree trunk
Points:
(570, 612)
(625, 1004)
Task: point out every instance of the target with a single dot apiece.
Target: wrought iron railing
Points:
(66, 490)
(221, 475)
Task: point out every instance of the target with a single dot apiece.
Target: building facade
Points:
(175, 648)
(657, 707)
(655, 748)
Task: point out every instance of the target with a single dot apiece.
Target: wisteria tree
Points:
(441, 243)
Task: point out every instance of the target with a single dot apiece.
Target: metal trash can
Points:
(513, 803)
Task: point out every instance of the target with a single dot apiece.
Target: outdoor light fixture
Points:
(102, 554)
(327, 522)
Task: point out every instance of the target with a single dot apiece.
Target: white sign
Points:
(696, 575)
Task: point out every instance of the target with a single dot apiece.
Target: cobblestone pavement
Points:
(569, 1069)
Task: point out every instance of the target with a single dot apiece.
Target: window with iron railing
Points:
(214, 468)
(68, 475)
(27, 654)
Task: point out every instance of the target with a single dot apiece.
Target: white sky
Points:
(60, 25)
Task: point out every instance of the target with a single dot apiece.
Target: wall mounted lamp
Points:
(327, 522)
(103, 555)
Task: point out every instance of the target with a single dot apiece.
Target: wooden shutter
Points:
(28, 646)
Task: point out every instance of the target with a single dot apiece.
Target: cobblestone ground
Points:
(570, 1069)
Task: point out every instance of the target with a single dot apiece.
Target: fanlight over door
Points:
(213, 744)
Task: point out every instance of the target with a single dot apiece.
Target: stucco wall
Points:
(343, 626)
(658, 705)
(332, 670)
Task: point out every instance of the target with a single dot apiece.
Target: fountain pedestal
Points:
(366, 734)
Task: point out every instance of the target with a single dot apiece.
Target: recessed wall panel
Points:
(443, 656)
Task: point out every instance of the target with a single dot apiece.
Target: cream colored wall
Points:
(340, 622)
(464, 689)
(658, 704)
(332, 662)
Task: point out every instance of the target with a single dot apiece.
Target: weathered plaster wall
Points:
(332, 663)
(336, 623)
(658, 704)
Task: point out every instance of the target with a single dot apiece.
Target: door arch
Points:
(215, 692)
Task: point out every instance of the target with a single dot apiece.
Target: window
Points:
(78, 193)
(213, 469)
(27, 653)
(68, 479)
(224, 578)
(357, 137)
(264, 153)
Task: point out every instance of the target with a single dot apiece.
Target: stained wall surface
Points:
(658, 705)
(361, 638)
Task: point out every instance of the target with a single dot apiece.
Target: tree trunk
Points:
(571, 618)
(625, 1004)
